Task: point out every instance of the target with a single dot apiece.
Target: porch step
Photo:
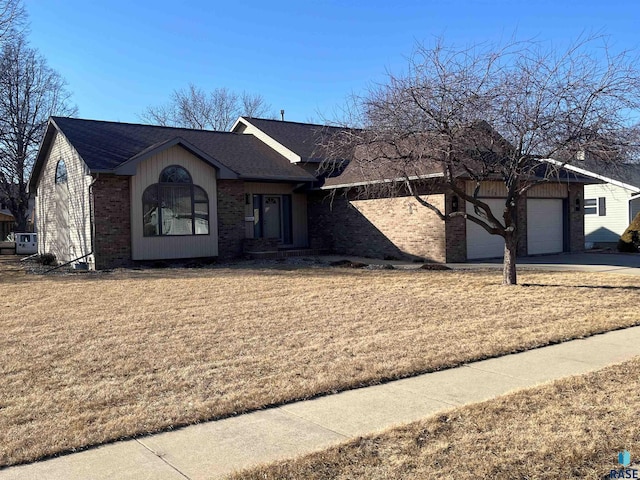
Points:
(302, 252)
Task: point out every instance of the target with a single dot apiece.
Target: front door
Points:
(271, 217)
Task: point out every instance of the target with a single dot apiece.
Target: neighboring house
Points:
(609, 206)
(7, 220)
(110, 193)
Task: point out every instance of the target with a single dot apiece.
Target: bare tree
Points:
(12, 19)
(492, 113)
(30, 91)
(193, 107)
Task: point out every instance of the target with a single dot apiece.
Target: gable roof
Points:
(625, 175)
(111, 146)
(303, 139)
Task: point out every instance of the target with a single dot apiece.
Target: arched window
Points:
(174, 205)
(61, 172)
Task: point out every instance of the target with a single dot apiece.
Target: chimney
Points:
(282, 114)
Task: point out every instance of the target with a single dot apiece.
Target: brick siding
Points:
(112, 205)
(230, 218)
(576, 218)
(456, 231)
(521, 218)
(394, 228)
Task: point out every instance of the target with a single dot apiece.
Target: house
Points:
(611, 204)
(111, 193)
(7, 220)
(342, 221)
(108, 193)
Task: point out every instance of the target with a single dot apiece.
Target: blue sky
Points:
(304, 57)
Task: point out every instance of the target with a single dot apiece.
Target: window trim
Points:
(595, 206)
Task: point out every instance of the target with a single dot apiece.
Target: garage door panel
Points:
(480, 243)
(545, 226)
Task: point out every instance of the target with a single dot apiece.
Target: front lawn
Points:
(86, 359)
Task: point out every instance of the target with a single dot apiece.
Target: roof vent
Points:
(282, 114)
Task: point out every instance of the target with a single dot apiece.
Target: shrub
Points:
(47, 259)
(630, 239)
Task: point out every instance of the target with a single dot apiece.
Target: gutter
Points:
(376, 182)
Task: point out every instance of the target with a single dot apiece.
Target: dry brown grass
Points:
(92, 358)
(572, 428)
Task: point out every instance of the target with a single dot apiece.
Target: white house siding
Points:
(608, 228)
(63, 211)
(172, 247)
(298, 209)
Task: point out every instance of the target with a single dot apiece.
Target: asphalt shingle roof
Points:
(303, 139)
(628, 173)
(106, 145)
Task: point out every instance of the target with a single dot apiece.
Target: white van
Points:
(26, 243)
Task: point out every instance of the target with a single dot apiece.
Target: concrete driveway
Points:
(622, 263)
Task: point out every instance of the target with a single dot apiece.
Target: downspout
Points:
(91, 225)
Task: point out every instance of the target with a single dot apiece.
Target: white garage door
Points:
(544, 225)
(480, 243)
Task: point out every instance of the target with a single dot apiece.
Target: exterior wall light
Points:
(454, 203)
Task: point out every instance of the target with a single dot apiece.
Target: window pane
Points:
(201, 215)
(177, 216)
(150, 211)
(175, 174)
(200, 211)
(590, 202)
(257, 217)
(61, 172)
(602, 206)
(590, 210)
(199, 195)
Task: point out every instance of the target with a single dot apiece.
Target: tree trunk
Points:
(509, 276)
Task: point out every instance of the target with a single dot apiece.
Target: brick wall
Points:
(230, 218)
(576, 218)
(381, 228)
(112, 219)
(521, 215)
(456, 231)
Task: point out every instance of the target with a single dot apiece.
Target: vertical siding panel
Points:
(498, 190)
(549, 190)
(148, 172)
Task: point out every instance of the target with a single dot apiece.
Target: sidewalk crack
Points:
(161, 457)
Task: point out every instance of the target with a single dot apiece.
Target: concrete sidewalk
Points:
(214, 449)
